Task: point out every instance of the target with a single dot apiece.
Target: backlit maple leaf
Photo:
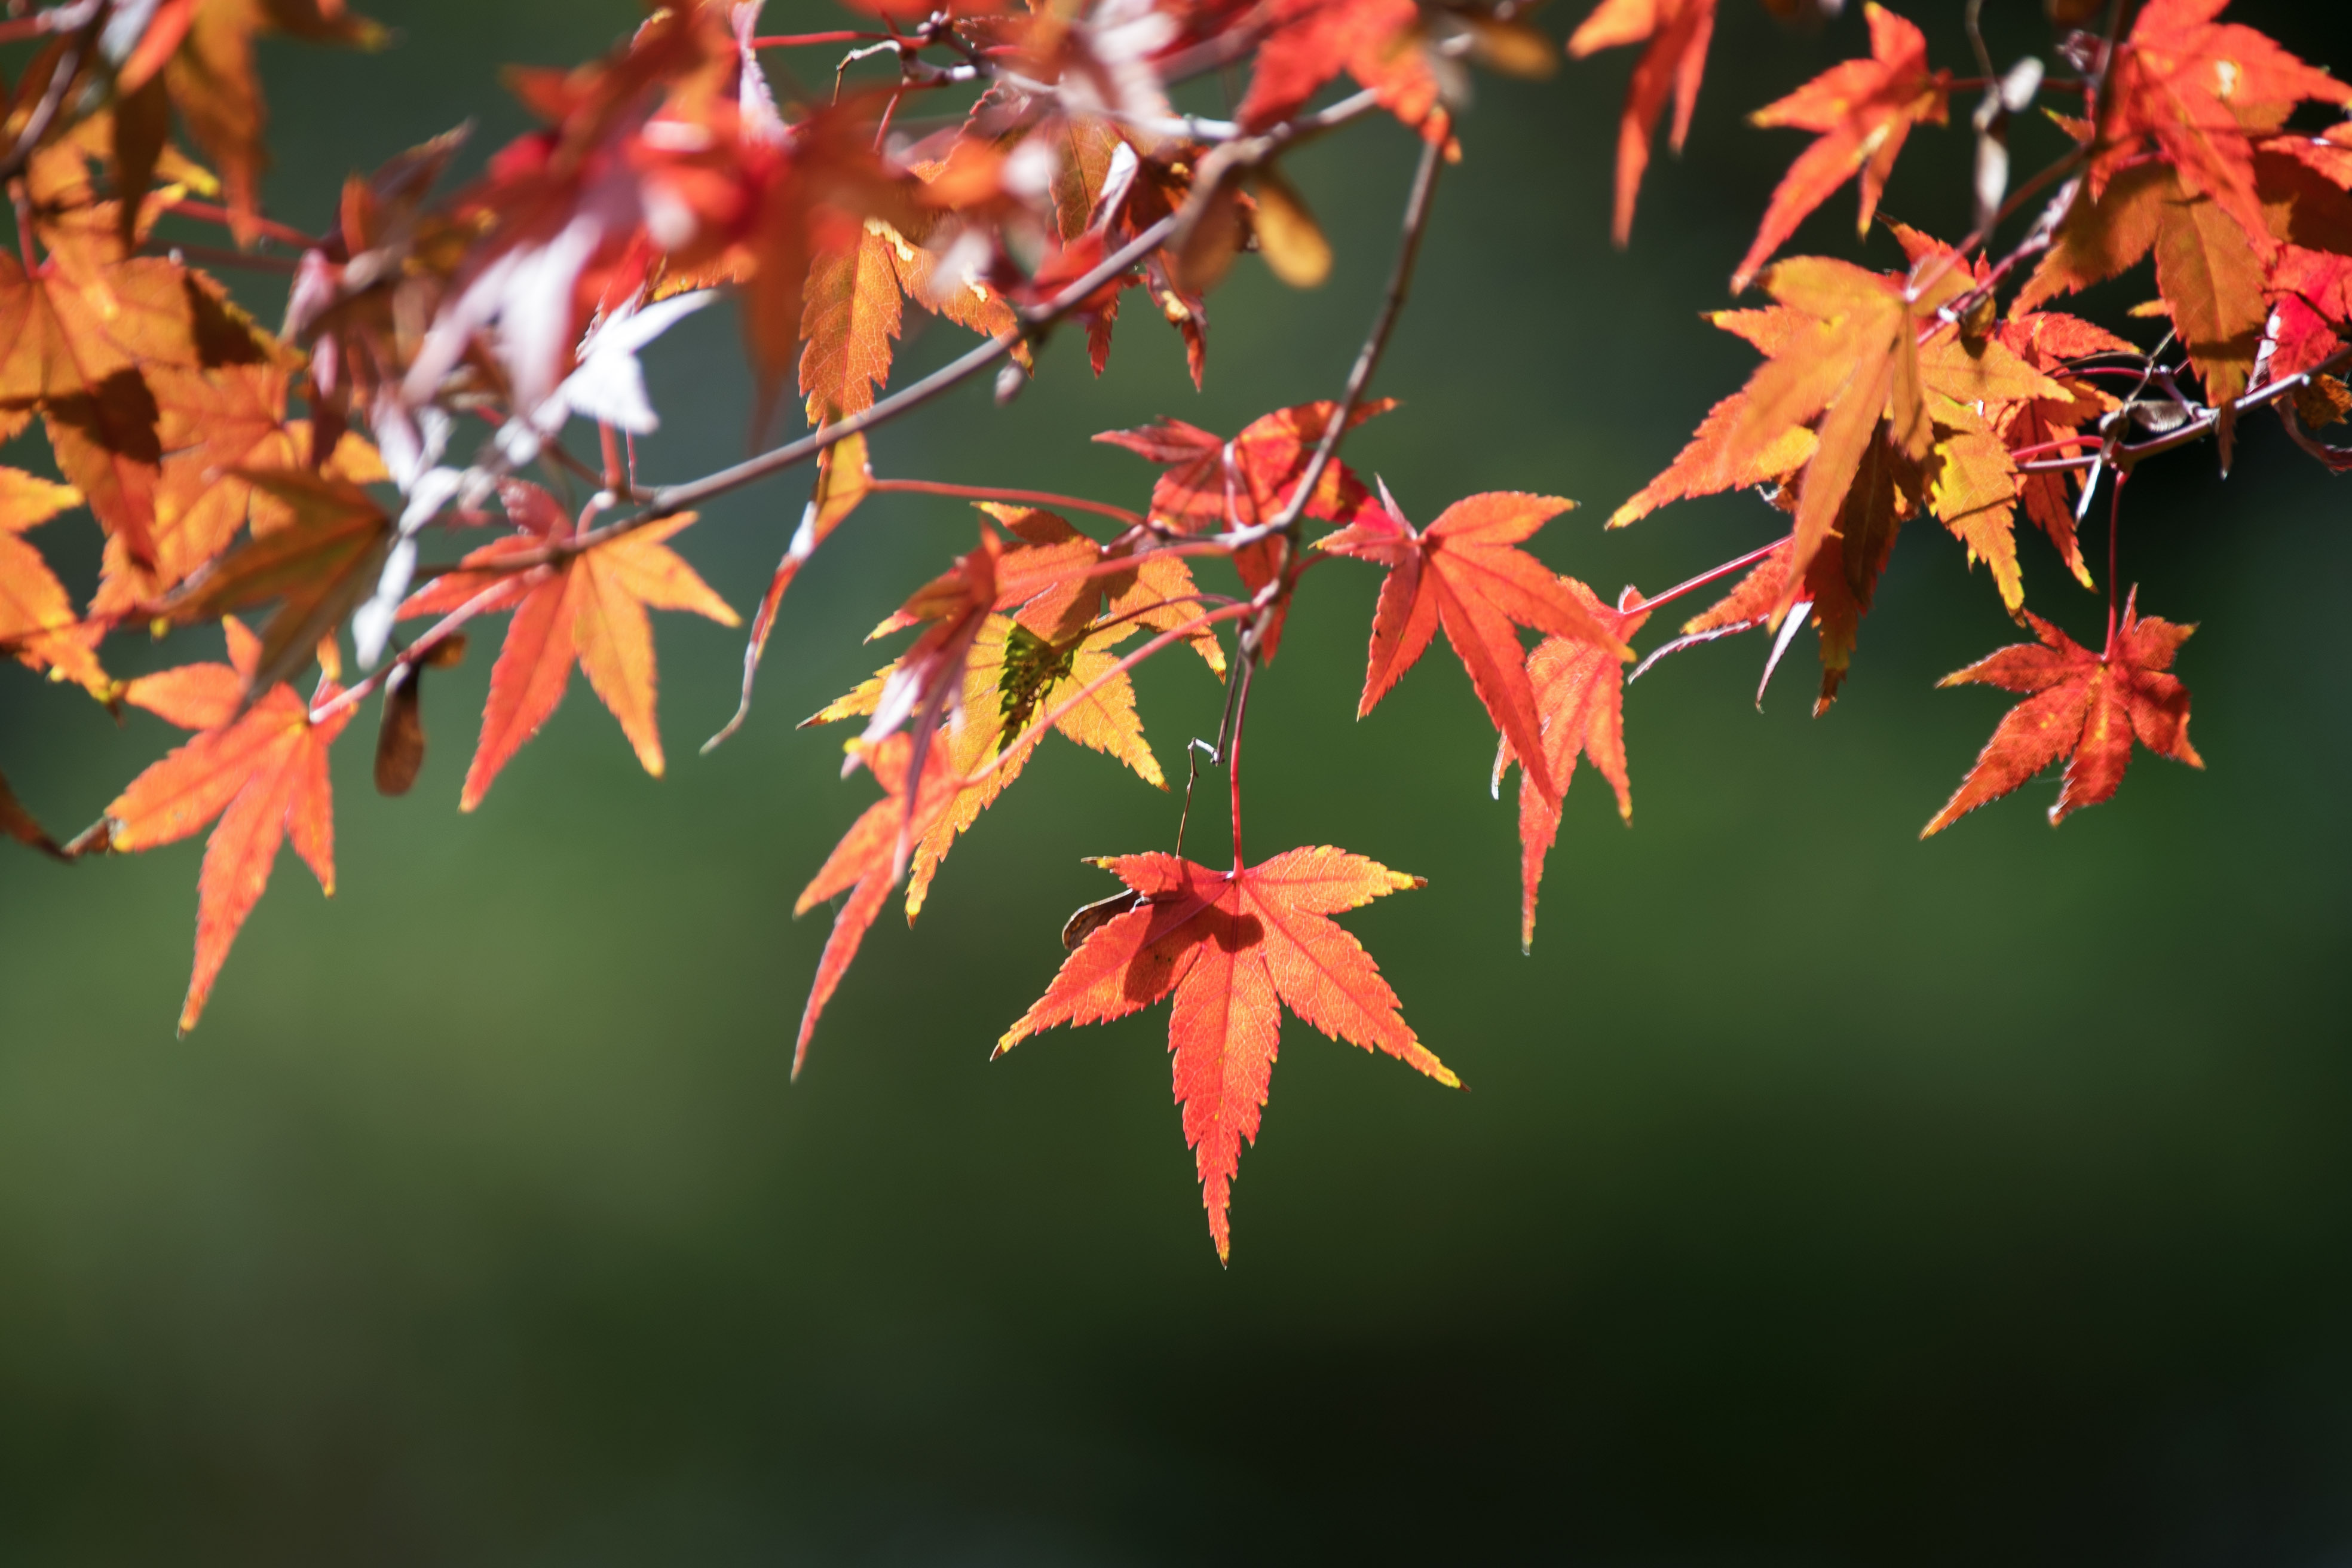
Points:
(1308, 42)
(1580, 693)
(2083, 706)
(36, 618)
(1677, 32)
(203, 51)
(76, 332)
(2211, 280)
(1234, 948)
(1466, 572)
(1862, 111)
(588, 608)
(263, 772)
(1213, 485)
(1847, 382)
(2192, 90)
(1024, 666)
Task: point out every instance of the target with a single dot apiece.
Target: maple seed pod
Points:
(1093, 916)
(400, 741)
(1205, 251)
(446, 654)
(2073, 12)
(1514, 48)
(1288, 233)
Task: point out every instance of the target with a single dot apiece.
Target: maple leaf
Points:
(1862, 111)
(1466, 572)
(203, 51)
(76, 332)
(1235, 949)
(25, 827)
(2210, 278)
(850, 314)
(1845, 357)
(588, 608)
(844, 477)
(318, 563)
(866, 863)
(36, 618)
(261, 770)
(1213, 485)
(2192, 90)
(1308, 42)
(1024, 666)
(1580, 696)
(1677, 32)
(2086, 707)
(1833, 591)
(2049, 340)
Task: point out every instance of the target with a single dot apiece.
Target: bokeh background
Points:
(1820, 1196)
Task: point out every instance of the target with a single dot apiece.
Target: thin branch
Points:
(53, 96)
(440, 632)
(244, 260)
(1376, 341)
(1711, 575)
(796, 40)
(671, 500)
(209, 212)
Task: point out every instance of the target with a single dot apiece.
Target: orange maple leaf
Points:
(262, 771)
(1677, 32)
(1235, 948)
(1847, 382)
(1466, 572)
(203, 51)
(36, 618)
(1862, 111)
(2085, 706)
(588, 608)
(1580, 694)
(76, 332)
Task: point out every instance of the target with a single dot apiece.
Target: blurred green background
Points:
(1819, 1196)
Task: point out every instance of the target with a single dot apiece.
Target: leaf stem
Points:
(994, 492)
(1711, 575)
(799, 41)
(1166, 639)
(440, 632)
(212, 212)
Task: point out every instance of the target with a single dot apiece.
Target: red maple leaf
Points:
(1580, 694)
(2085, 706)
(1311, 41)
(1466, 572)
(1213, 485)
(1863, 111)
(1677, 32)
(1235, 948)
(2192, 89)
(262, 771)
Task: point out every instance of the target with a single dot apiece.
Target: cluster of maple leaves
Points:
(1010, 167)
